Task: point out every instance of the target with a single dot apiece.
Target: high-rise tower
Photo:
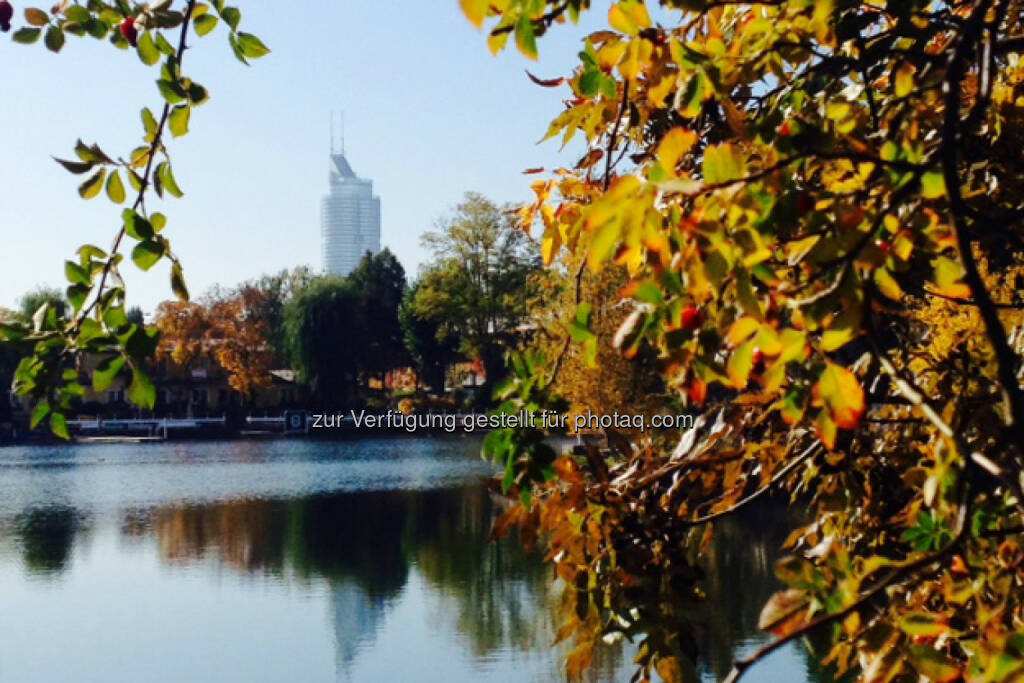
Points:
(349, 218)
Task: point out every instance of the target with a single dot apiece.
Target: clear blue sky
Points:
(429, 115)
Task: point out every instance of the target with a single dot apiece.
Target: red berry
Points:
(129, 32)
(883, 245)
(691, 318)
(784, 129)
(6, 13)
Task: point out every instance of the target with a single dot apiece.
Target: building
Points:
(349, 218)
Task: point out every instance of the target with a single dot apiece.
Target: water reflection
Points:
(408, 585)
(45, 536)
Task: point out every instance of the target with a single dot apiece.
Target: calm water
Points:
(301, 561)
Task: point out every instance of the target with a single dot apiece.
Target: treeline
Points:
(340, 334)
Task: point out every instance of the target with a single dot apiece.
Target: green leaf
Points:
(39, 412)
(171, 91)
(933, 185)
(115, 188)
(92, 186)
(232, 16)
(106, 372)
(76, 274)
(197, 94)
(233, 42)
(147, 253)
(141, 391)
(147, 50)
(59, 426)
(526, 41)
(26, 36)
(76, 167)
(251, 46)
(78, 14)
(54, 39)
(167, 178)
(178, 120)
(136, 226)
(164, 46)
(149, 124)
(158, 221)
(205, 23)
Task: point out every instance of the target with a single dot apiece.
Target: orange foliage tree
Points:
(817, 208)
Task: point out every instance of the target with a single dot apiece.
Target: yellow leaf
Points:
(741, 362)
(825, 428)
(610, 55)
(904, 79)
(549, 245)
(621, 20)
(741, 330)
(673, 146)
(629, 17)
(475, 11)
(948, 275)
(496, 42)
(839, 391)
(887, 285)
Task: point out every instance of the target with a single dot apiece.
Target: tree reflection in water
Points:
(366, 546)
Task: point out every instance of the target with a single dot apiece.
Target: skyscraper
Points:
(349, 218)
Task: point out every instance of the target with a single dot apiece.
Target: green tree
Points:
(475, 288)
(380, 281)
(325, 336)
(95, 321)
(427, 342)
(33, 300)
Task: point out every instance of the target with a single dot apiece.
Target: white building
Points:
(349, 219)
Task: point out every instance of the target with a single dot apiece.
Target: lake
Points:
(297, 560)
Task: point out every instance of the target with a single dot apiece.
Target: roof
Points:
(340, 167)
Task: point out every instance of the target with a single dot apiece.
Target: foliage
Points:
(431, 350)
(817, 206)
(380, 280)
(593, 377)
(231, 328)
(475, 287)
(325, 335)
(96, 322)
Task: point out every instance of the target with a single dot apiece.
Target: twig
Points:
(145, 179)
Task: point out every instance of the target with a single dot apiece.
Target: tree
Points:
(239, 340)
(325, 336)
(475, 288)
(32, 301)
(380, 281)
(96, 321)
(426, 342)
(818, 211)
(265, 299)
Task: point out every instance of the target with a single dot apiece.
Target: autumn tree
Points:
(95, 322)
(239, 339)
(817, 206)
(475, 286)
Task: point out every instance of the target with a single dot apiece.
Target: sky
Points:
(429, 114)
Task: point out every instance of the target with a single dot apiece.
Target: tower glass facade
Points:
(349, 219)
